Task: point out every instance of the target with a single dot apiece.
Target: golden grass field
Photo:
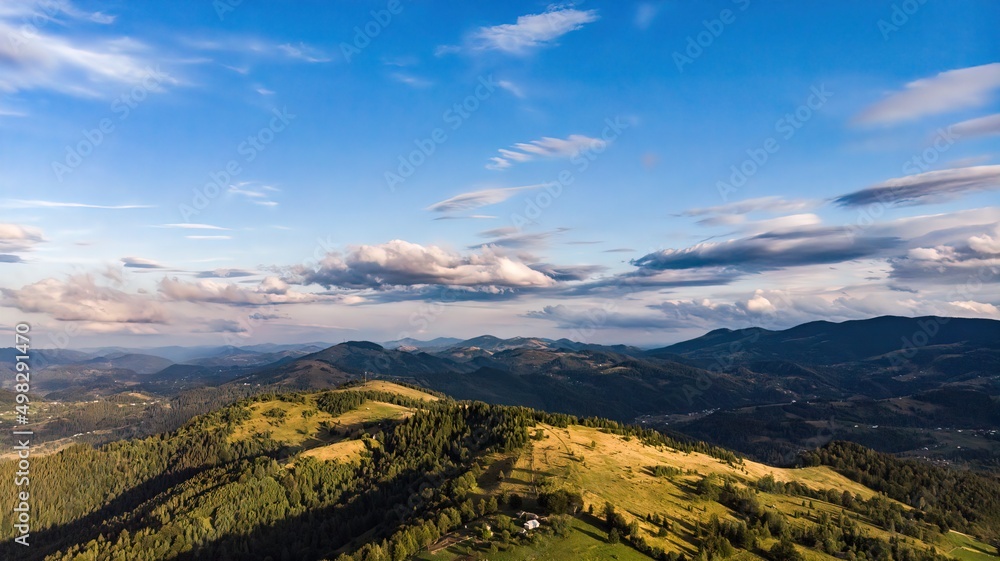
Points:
(343, 451)
(604, 467)
(611, 468)
(383, 386)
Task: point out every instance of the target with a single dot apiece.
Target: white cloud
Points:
(411, 80)
(19, 203)
(469, 217)
(530, 32)
(781, 223)
(209, 237)
(401, 263)
(771, 205)
(759, 304)
(986, 243)
(963, 88)
(497, 163)
(926, 188)
(512, 88)
(477, 199)
(966, 262)
(645, 13)
(50, 11)
(39, 56)
(978, 308)
(140, 263)
(192, 226)
(303, 52)
(17, 238)
(271, 290)
(982, 126)
(545, 147)
(257, 195)
(11, 113)
(79, 298)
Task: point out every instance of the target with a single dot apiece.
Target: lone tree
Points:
(614, 536)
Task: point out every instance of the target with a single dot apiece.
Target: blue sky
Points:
(641, 172)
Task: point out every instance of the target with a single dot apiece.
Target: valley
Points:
(767, 394)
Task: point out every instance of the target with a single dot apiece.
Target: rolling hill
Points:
(921, 387)
(382, 471)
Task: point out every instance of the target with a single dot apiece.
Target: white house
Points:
(531, 524)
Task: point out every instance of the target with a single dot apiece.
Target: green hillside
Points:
(382, 471)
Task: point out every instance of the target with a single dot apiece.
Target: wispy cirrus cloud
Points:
(478, 199)
(514, 238)
(411, 80)
(20, 203)
(258, 48)
(771, 205)
(512, 88)
(191, 226)
(926, 188)
(303, 52)
(982, 126)
(645, 13)
(256, 194)
(528, 33)
(953, 90)
(545, 147)
(44, 57)
(469, 217)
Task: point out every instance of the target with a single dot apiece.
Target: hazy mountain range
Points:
(760, 391)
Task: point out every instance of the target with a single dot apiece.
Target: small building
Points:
(531, 525)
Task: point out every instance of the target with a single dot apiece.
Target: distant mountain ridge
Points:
(824, 342)
(886, 381)
(764, 392)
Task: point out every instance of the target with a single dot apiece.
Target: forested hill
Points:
(963, 500)
(381, 471)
